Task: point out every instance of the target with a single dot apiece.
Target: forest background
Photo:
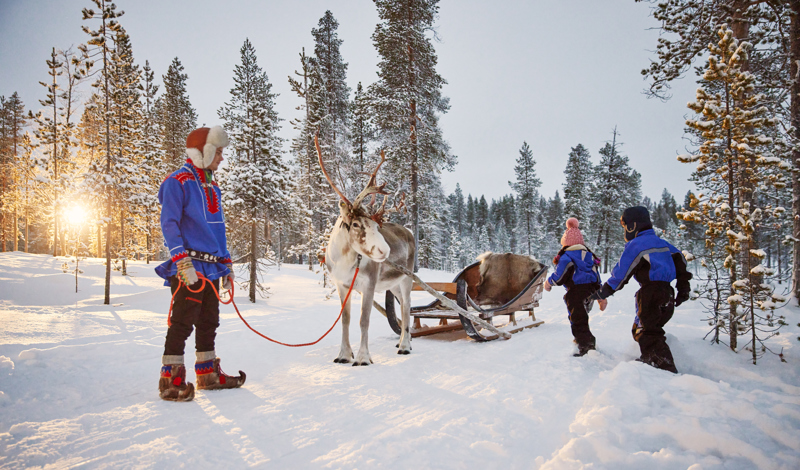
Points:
(108, 128)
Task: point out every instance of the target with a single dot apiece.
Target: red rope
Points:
(230, 301)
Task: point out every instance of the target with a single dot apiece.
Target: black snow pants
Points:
(655, 304)
(575, 298)
(200, 310)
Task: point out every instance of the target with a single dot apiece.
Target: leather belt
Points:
(203, 256)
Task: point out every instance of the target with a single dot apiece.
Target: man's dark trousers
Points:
(200, 310)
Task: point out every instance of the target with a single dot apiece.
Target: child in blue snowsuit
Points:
(655, 264)
(577, 270)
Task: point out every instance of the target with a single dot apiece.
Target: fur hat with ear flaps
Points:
(202, 144)
(634, 220)
(572, 236)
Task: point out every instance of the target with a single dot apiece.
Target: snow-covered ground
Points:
(78, 387)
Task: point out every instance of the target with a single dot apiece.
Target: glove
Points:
(186, 272)
(227, 281)
(681, 298)
(547, 286)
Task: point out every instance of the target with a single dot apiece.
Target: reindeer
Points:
(360, 236)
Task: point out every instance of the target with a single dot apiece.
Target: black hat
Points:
(634, 220)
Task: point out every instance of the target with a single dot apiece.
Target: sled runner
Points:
(465, 290)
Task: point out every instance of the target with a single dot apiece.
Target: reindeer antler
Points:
(325, 172)
(399, 205)
(372, 186)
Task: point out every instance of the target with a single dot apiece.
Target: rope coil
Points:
(205, 280)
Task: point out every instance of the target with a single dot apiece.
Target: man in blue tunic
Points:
(193, 226)
(655, 264)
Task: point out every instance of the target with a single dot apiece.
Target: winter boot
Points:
(172, 385)
(210, 375)
(584, 349)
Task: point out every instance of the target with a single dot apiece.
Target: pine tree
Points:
(127, 117)
(152, 166)
(577, 184)
(12, 168)
(773, 28)
(407, 99)
(457, 210)
(49, 136)
(733, 150)
(101, 43)
(362, 134)
(527, 188)
(615, 187)
(554, 225)
(177, 117)
(333, 71)
(312, 190)
(255, 182)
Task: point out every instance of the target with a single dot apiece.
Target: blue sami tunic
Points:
(192, 219)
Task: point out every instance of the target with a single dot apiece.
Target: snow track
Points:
(78, 388)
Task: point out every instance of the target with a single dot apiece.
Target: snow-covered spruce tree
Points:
(12, 166)
(318, 199)
(47, 134)
(152, 164)
(733, 166)
(407, 99)
(255, 180)
(126, 119)
(91, 155)
(362, 133)
(177, 117)
(100, 46)
(333, 71)
(526, 186)
(433, 223)
(554, 226)
(577, 184)
(773, 29)
(615, 186)
(457, 209)
(27, 166)
(510, 216)
(5, 171)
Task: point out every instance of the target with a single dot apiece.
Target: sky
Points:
(551, 73)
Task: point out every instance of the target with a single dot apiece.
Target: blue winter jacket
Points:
(192, 219)
(648, 258)
(575, 266)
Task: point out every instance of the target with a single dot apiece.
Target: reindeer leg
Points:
(405, 306)
(363, 358)
(345, 351)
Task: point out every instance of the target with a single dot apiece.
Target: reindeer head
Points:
(363, 229)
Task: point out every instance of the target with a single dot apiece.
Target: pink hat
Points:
(572, 236)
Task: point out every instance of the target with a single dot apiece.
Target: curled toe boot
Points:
(172, 385)
(211, 377)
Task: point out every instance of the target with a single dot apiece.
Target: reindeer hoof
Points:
(339, 360)
(404, 351)
(361, 363)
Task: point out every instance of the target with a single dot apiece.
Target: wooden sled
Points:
(463, 290)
